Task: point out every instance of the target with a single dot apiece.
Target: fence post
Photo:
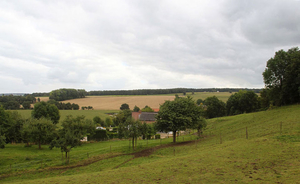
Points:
(246, 132)
(174, 151)
(280, 127)
(160, 141)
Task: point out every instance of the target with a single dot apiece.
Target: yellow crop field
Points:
(154, 101)
(114, 102)
(45, 99)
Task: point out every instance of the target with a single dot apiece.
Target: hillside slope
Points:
(269, 155)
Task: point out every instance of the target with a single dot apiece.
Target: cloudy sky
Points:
(148, 44)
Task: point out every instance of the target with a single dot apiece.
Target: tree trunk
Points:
(66, 157)
(40, 144)
(133, 143)
(174, 136)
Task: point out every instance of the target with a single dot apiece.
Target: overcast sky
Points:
(141, 44)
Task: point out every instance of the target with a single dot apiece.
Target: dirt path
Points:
(143, 153)
(149, 151)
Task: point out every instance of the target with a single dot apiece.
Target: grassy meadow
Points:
(268, 152)
(89, 114)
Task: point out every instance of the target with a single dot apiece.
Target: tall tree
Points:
(214, 107)
(180, 114)
(282, 77)
(46, 110)
(243, 101)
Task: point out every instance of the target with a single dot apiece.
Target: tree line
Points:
(166, 91)
(66, 94)
(11, 102)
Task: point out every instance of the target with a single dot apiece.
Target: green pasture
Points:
(89, 114)
(260, 147)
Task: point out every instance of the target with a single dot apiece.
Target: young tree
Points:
(73, 130)
(136, 109)
(133, 130)
(144, 130)
(200, 126)
(41, 130)
(46, 110)
(180, 114)
(108, 122)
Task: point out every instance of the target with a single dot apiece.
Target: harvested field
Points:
(114, 103)
(44, 99)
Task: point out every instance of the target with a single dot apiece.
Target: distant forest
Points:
(155, 91)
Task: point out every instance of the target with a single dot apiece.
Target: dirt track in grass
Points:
(142, 153)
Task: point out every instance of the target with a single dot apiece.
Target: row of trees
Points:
(67, 94)
(11, 102)
(41, 128)
(136, 108)
(237, 103)
(166, 91)
(64, 106)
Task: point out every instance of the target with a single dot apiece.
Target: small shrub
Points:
(157, 136)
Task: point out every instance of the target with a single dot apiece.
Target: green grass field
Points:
(89, 114)
(225, 155)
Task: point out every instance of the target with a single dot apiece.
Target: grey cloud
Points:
(143, 44)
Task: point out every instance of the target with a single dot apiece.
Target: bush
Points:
(100, 135)
(112, 135)
(157, 136)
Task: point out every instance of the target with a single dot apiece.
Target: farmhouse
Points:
(148, 117)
